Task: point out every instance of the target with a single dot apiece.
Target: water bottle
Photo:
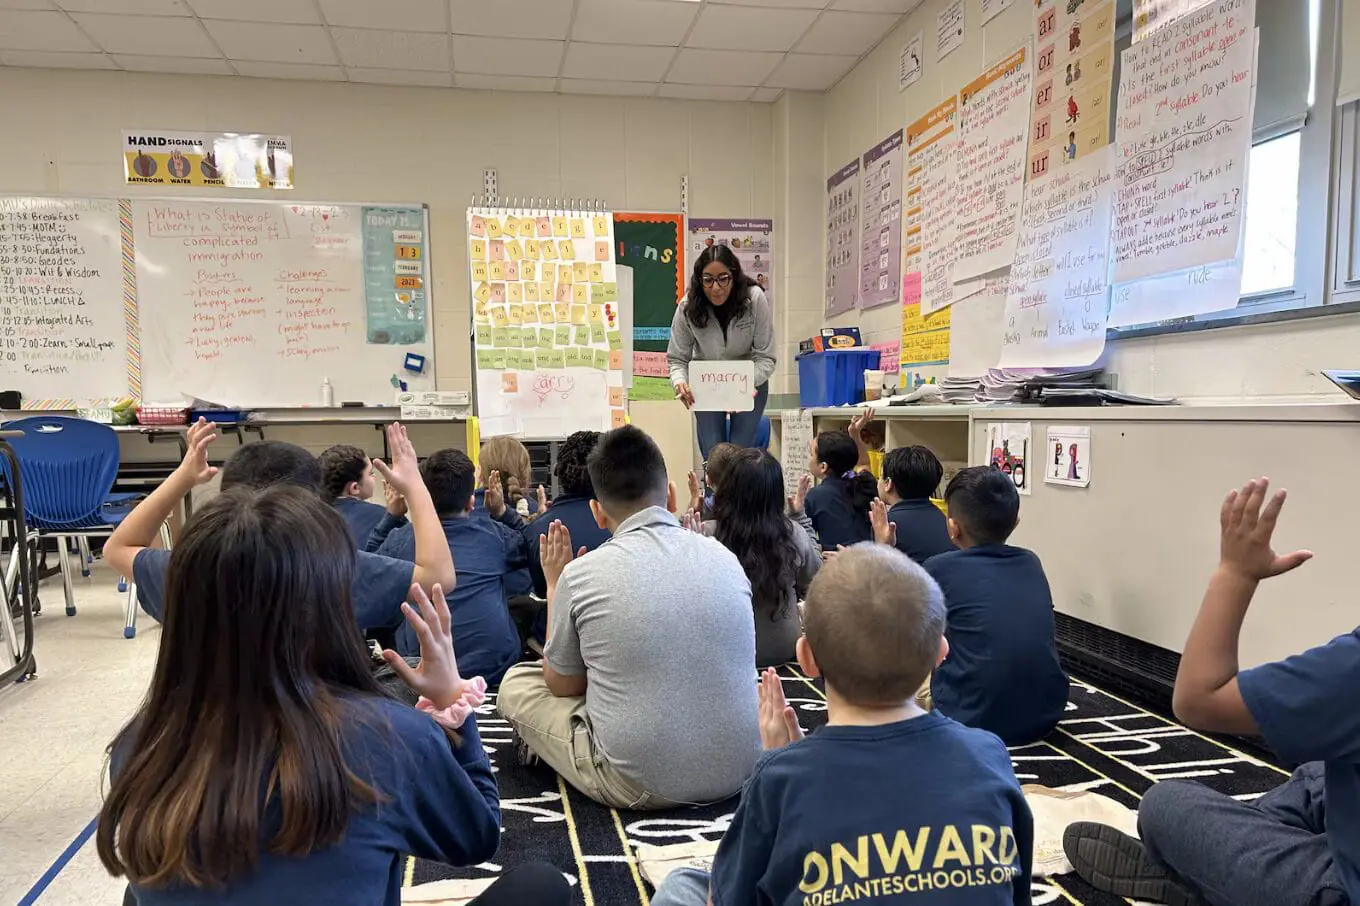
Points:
(327, 393)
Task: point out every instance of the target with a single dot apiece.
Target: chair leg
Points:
(165, 534)
(67, 581)
(83, 545)
(7, 622)
(130, 626)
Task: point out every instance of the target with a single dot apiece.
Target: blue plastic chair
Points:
(69, 466)
(762, 433)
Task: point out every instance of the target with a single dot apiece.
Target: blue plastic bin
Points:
(834, 377)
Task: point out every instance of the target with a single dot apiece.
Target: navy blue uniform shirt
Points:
(1002, 673)
(922, 530)
(361, 517)
(836, 522)
(484, 553)
(441, 804)
(924, 811)
(1306, 707)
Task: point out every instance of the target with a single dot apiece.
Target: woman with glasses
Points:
(723, 317)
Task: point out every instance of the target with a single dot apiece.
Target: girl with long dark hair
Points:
(266, 764)
(778, 556)
(724, 316)
(839, 505)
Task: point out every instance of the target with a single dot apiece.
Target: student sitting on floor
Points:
(510, 458)
(572, 508)
(484, 553)
(1002, 673)
(911, 476)
(644, 699)
(839, 505)
(885, 800)
(347, 479)
(381, 584)
(778, 556)
(701, 495)
(1298, 845)
(266, 765)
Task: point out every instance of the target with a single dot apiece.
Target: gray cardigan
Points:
(750, 336)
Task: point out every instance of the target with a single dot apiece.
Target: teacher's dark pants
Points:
(714, 428)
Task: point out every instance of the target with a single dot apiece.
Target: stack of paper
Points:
(1020, 385)
(961, 389)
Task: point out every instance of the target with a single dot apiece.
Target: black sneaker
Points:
(524, 756)
(1112, 861)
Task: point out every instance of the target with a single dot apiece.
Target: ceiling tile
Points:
(810, 72)
(194, 65)
(782, 4)
(400, 77)
(766, 95)
(401, 15)
(392, 49)
(502, 82)
(847, 33)
(150, 35)
(616, 62)
(900, 7)
(134, 7)
(297, 12)
(749, 28)
(632, 21)
(25, 30)
(704, 92)
(306, 71)
(722, 67)
(549, 19)
(41, 59)
(604, 86)
(272, 43)
(507, 56)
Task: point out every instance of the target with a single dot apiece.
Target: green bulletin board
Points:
(650, 244)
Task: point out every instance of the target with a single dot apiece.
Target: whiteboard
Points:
(253, 304)
(63, 324)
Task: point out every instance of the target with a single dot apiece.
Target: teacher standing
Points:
(723, 317)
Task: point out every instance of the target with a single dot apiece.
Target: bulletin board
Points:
(547, 324)
(651, 245)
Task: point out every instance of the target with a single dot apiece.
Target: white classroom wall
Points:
(1272, 362)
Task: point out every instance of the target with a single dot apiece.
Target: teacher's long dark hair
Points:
(260, 670)
(748, 508)
(697, 304)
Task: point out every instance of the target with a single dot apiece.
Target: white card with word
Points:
(723, 386)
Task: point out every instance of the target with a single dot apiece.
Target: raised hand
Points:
(856, 431)
(1246, 530)
(194, 467)
(542, 500)
(696, 493)
(799, 500)
(437, 676)
(554, 552)
(404, 473)
(495, 496)
(778, 722)
(396, 504)
(885, 532)
(693, 521)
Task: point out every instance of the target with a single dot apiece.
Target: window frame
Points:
(1327, 176)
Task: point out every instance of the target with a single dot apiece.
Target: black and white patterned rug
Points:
(1104, 744)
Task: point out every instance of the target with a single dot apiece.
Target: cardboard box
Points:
(831, 338)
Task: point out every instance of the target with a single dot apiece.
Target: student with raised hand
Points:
(839, 505)
(1002, 673)
(288, 775)
(1298, 845)
(647, 666)
(911, 476)
(347, 479)
(779, 558)
(886, 803)
(485, 552)
(380, 583)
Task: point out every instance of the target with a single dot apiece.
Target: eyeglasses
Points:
(723, 280)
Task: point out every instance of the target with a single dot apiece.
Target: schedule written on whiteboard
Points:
(1183, 131)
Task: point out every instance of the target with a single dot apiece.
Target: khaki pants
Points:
(558, 731)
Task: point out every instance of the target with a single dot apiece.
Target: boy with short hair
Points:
(911, 476)
(347, 479)
(647, 666)
(1298, 845)
(886, 800)
(484, 551)
(1002, 673)
(381, 584)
